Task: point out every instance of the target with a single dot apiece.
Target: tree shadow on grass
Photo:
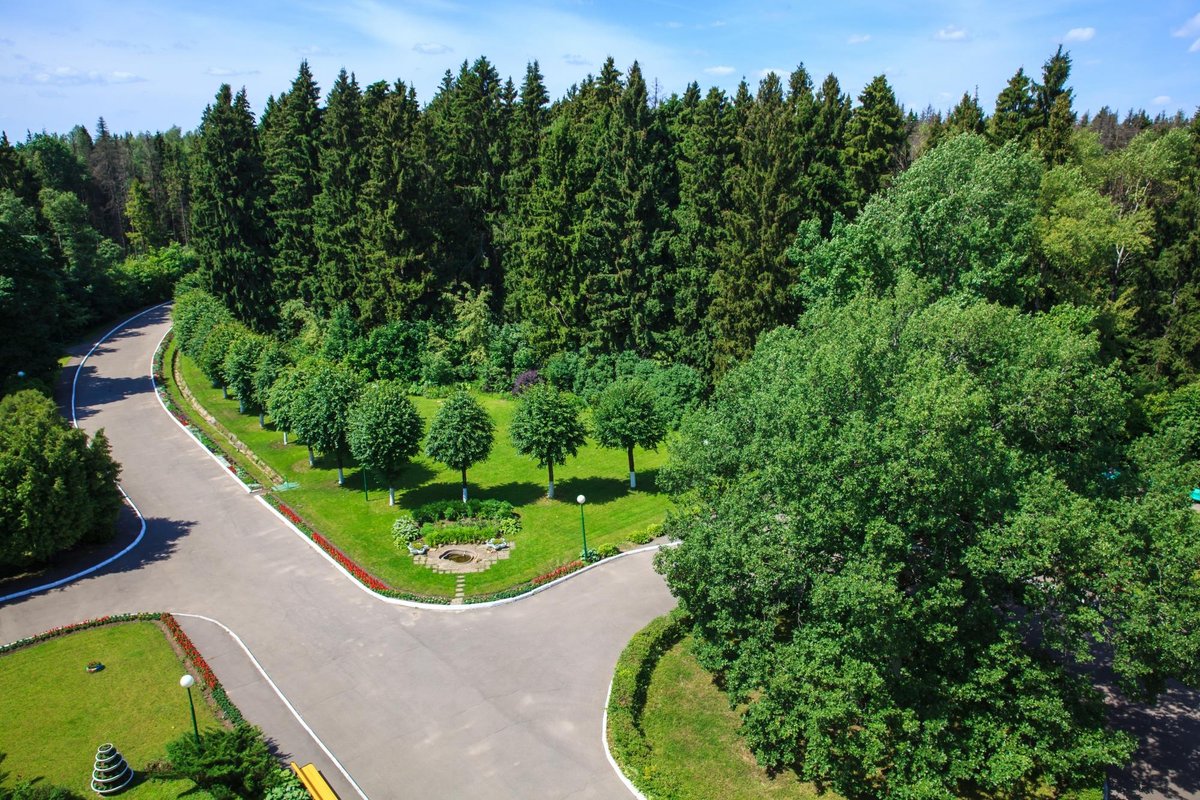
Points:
(520, 493)
(599, 491)
(414, 475)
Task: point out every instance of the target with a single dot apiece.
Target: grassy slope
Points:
(362, 529)
(693, 733)
(54, 714)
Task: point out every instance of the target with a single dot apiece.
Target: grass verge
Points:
(54, 714)
(360, 526)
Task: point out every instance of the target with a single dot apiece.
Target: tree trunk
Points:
(632, 474)
(262, 422)
(285, 437)
(464, 484)
(312, 462)
(341, 477)
(550, 493)
(391, 495)
(224, 393)
(241, 406)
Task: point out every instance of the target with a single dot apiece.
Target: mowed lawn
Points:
(54, 714)
(693, 733)
(362, 527)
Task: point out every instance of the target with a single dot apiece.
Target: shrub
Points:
(457, 510)
(405, 530)
(607, 551)
(27, 790)
(459, 534)
(525, 380)
(652, 531)
(510, 527)
(226, 763)
(288, 788)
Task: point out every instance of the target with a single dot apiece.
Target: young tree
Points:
(321, 410)
(547, 428)
(215, 351)
(241, 361)
(282, 399)
(460, 435)
(627, 416)
(384, 431)
(272, 361)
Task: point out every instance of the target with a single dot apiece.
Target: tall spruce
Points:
(292, 156)
(337, 220)
(967, 116)
(875, 136)
(751, 289)
(1017, 115)
(228, 210)
(825, 168)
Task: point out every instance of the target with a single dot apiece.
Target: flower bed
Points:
(528, 586)
(191, 653)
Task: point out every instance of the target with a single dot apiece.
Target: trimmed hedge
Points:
(631, 680)
(459, 534)
(454, 510)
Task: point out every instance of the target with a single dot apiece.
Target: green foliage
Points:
(284, 396)
(461, 434)
(546, 427)
(390, 352)
(227, 763)
(436, 536)
(215, 351)
(405, 530)
(195, 314)
(498, 510)
(866, 498)
(29, 291)
(626, 416)
(288, 788)
(875, 135)
(383, 429)
(55, 489)
(273, 360)
(242, 358)
(151, 277)
(320, 411)
(27, 790)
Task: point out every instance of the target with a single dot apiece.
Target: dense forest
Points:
(498, 229)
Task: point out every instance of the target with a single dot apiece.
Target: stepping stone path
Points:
(481, 558)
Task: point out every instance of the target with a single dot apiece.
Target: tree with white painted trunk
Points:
(461, 434)
(384, 431)
(322, 410)
(546, 427)
(625, 416)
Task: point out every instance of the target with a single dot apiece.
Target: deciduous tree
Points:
(547, 428)
(461, 434)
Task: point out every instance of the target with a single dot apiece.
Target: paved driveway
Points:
(499, 703)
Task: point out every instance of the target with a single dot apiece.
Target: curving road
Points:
(494, 703)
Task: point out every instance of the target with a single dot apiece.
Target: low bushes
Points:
(631, 679)
(436, 536)
(457, 510)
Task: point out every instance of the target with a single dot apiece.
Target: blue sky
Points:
(150, 65)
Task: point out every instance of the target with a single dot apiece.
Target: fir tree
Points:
(966, 117)
(874, 138)
(337, 222)
(291, 153)
(1016, 114)
(228, 210)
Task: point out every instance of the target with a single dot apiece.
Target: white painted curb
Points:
(612, 762)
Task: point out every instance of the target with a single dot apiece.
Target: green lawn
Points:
(693, 733)
(362, 528)
(54, 714)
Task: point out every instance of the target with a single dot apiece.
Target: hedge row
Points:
(631, 680)
(455, 510)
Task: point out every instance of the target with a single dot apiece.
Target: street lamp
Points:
(586, 555)
(186, 682)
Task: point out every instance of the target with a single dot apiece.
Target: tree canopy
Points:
(461, 434)
(900, 548)
(547, 428)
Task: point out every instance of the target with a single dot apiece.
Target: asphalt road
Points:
(495, 703)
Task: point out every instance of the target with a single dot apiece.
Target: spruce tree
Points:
(228, 214)
(874, 138)
(826, 168)
(337, 221)
(1016, 116)
(967, 116)
(291, 153)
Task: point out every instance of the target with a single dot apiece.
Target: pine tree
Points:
(291, 154)
(1053, 139)
(967, 116)
(337, 220)
(228, 210)
(826, 169)
(109, 166)
(874, 138)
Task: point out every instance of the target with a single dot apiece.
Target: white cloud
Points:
(1195, 48)
(859, 38)
(764, 72)
(673, 25)
(719, 70)
(70, 76)
(431, 48)
(1161, 100)
(951, 33)
(1080, 34)
(1189, 28)
(576, 60)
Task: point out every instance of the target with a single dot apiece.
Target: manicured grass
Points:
(362, 528)
(54, 714)
(693, 734)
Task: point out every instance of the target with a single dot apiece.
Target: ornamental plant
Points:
(460, 435)
(546, 427)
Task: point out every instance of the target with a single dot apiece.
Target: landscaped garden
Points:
(54, 713)
(361, 526)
